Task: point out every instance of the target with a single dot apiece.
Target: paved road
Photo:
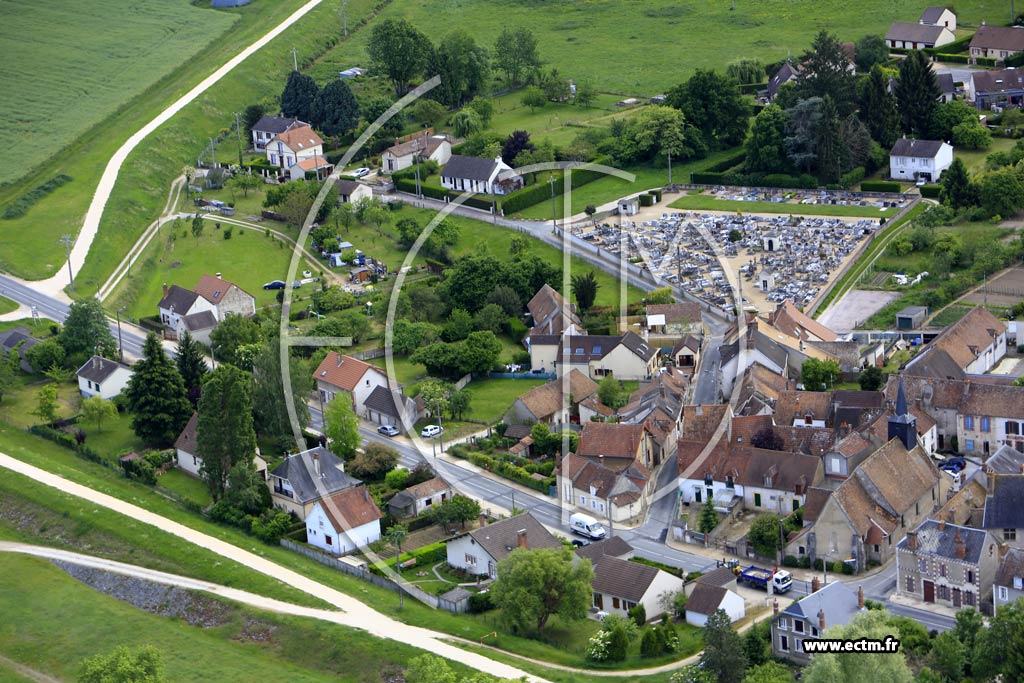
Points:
(55, 309)
(707, 385)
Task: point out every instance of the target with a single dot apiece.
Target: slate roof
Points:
(932, 15)
(946, 84)
(614, 547)
(299, 138)
(915, 33)
(587, 347)
(997, 81)
(622, 578)
(300, 471)
(1010, 567)
(346, 187)
(705, 598)
(501, 538)
(14, 336)
(545, 400)
(636, 344)
(722, 577)
(204, 320)
(342, 371)
(940, 539)
(786, 73)
(836, 600)
(178, 298)
(350, 508)
(1004, 506)
(815, 502)
(784, 471)
(1009, 38)
(381, 401)
(187, 441)
(921, 149)
(1006, 460)
(99, 368)
(937, 364)
(517, 431)
(469, 168)
(276, 124)
(993, 401)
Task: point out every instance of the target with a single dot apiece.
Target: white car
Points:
(431, 431)
(360, 172)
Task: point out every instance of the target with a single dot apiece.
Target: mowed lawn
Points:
(53, 622)
(558, 124)
(72, 63)
(6, 305)
(703, 202)
(491, 398)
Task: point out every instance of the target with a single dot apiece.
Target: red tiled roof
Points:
(342, 371)
(350, 508)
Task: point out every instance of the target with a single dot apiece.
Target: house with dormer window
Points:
(341, 375)
(304, 478)
(946, 564)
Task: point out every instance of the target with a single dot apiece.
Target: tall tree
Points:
(656, 131)
(466, 122)
(532, 585)
(299, 96)
(225, 435)
(335, 110)
(124, 665)
(515, 52)
(269, 408)
(713, 103)
(765, 146)
(584, 288)
(46, 403)
(819, 375)
(855, 667)
(97, 409)
(723, 653)
(916, 92)
(801, 141)
(957, 190)
(463, 66)
(400, 50)
(827, 72)
(341, 427)
(234, 332)
(878, 108)
(947, 116)
(517, 141)
(708, 517)
(86, 332)
(374, 462)
(1001, 192)
(191, 365)
(746, 71)
(156, 396)
(831, 151)
(871, 51)
(855, 141)
(251, 115)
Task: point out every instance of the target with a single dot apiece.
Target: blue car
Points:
(276, 284)
(954, 465)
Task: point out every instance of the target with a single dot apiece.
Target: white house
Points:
(269, 127)
(198, 311)
(298, 170)
(186, 452)
(417, 499)
(294, 145)
(712, 592)
(939, 16)
(341, 374)
(350, 191)
(103, 377)
(619, 585)
(917, 36)
(484, 176)
(436, 148)
(301, 480)
(344, 521)
(914, 159)
(479, 551)
(626, 357)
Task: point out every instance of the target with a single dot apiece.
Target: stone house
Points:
(339, 374)
(1003, 515)
(1008, 586)
(806, 619)
(946, 564)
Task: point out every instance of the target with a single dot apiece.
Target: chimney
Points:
(942, 525)
(316, 463)
(95, 362)
(815, 584)
(960, 547)
(218, 276)
(860, 598)
(483, 520)
(821, 620)
(912, 540)
(775, 606)
(521, 539)
(166, 289)
(341, 359)
(990, 480)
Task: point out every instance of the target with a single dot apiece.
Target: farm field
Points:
(72, 64)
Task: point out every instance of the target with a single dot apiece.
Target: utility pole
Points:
(295, 58)
(120, 342)
(554, 213)
(238, 129)
(67, 240)
(670, 167)
(213, 154)
(416, 161)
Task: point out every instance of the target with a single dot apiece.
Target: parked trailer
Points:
(759, 577)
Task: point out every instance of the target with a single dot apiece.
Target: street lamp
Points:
(669, 167)
(554, 219)
(120, 343)
(416, 161)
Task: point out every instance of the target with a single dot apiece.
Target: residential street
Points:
(707, 385)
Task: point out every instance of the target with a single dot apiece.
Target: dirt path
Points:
(90, 226)
(25, 671)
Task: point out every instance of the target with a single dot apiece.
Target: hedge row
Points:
(726, 164)
(427, 555)
(806, 181)
(752, 88)
(539, 192)
(646, 200)
(20, 206)
(931, 191)
(958, 45)
(406, 185)
(879, 186)
(955, 59)
(852, 177)
(516, 474)
(67, 441)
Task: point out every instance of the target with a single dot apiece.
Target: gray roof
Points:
(299, 470)
(382, 401)
(922, 149)
(781, 77)
(1009, 38)
(915, 33)
(705, 598)
(1006, 460)
(722, 577)
(203, 320)
(13, 337)
(911, 311)
(178, 298)
(998, 81)
(934, 362)
(346, 187)
(586, 347)
(99, 368)
(931, 15)
(836, 600)
(636, 344)
(1010, 567)
(946, 83)
(939, 538)
(1004, 507)
(457, 595)
(501, 538)
(275, 124)
(622, 578)
(470, 168)
(614, 546)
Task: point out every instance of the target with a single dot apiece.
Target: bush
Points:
(955, 59)
(790, 561)
(539, 192)
(480, 602)
(853, 177)
(20, 206)
(650, 645)
(271, 525)
(646, 200)
(725, 164)
(638, 613)
(656, 194)
(879, 186)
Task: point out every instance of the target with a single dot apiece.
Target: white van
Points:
(585, 525)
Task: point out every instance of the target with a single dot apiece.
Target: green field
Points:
(558, 124)
(53, 622)
(492, 397)
(701, 202)
(72, 64)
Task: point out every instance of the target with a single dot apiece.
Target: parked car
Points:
(360, 172)
(275, 284)
(431, 431)
(579, 543)
(954, 465)
(388, 430)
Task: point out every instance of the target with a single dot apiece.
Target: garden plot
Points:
(1004, 290)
